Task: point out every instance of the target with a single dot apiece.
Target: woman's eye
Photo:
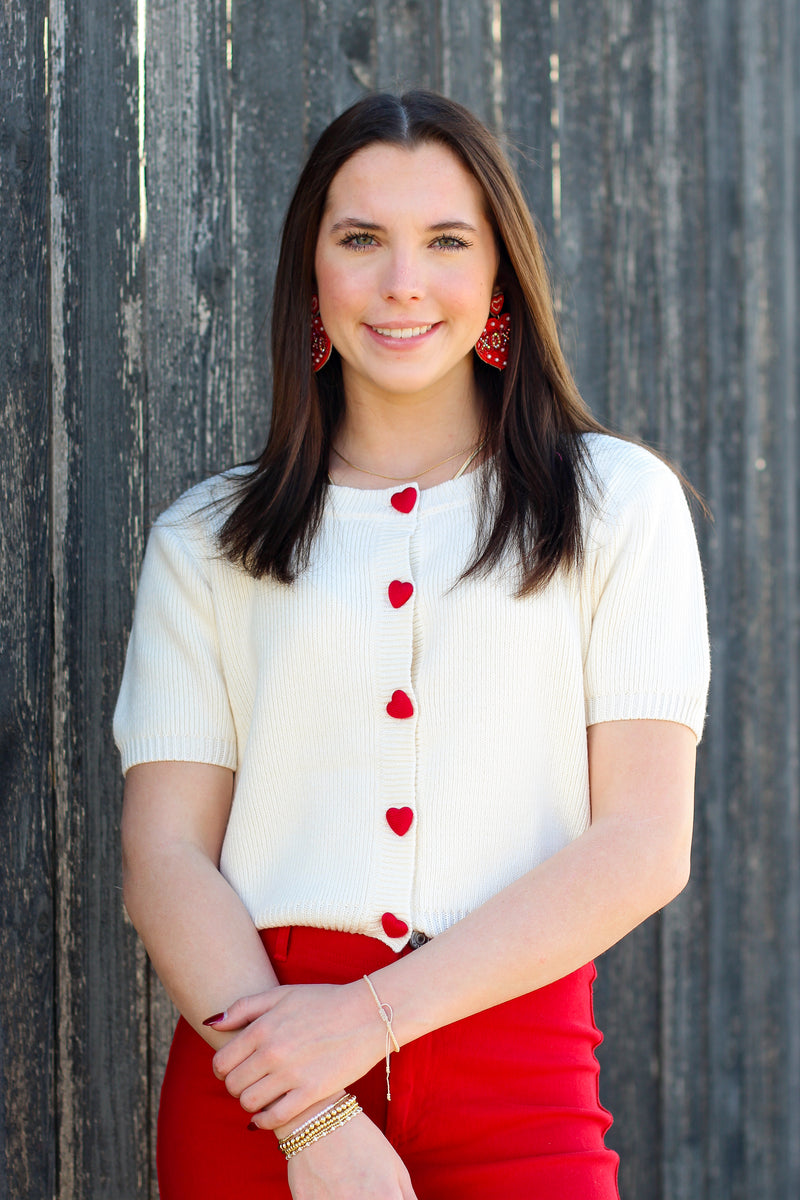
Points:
(450, 242)
(358, 241)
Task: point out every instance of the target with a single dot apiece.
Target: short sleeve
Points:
(648, 654)
(173, 703)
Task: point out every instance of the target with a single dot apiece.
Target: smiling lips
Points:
(412, 331)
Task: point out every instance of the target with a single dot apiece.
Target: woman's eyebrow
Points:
(349, 222)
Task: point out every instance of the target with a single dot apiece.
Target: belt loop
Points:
(283, 936)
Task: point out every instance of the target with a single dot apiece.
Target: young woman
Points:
(409, 713)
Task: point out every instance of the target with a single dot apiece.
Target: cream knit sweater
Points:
(405, 748)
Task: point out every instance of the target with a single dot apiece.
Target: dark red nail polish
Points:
(213, 1020)
(253, 1125)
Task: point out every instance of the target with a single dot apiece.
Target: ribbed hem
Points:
(214, 751)
(639, 706)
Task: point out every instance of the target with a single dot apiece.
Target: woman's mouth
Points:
(410, 331)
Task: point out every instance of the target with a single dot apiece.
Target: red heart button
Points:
(400, 819)
(392, 926)
(400, 706)
(399, 593)
(404, 501)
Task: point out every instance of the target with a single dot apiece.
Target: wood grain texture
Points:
(27, 996)
(528, 58)
(189, 258)
(608, 204)
(268, 146)
(467, 54)
(190, 421)
(768, 548)
(407, 45)
(339, 63)
(97, 507)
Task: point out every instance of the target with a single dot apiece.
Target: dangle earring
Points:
(492, 345)
(320, 342)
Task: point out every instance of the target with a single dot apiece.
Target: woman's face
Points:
(406, 262)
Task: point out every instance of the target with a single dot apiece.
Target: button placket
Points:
(397, 843)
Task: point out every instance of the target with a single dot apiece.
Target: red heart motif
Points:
(400, 706)
(404, 501)
(399, 593)
(492, 345)
(393, 927)
(400, 819)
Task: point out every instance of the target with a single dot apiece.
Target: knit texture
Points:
(288, 686)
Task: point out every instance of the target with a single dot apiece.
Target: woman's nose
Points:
(403, 280)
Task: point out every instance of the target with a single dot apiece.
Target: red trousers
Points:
(499, 1106)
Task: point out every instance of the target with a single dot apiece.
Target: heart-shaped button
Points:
(400, 706)
(404, 501)
(393, 927)
(400, 819)
(399, 593)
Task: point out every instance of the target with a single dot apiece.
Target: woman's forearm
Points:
(629, 863)
(540, 928)
(197, 933)
(195, 928)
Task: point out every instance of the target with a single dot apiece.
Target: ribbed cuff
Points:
(214, 751)
(641, 706)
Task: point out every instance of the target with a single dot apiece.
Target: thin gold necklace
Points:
(418, 474)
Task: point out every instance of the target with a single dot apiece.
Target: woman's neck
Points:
(382, 440)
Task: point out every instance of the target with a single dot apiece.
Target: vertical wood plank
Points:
(189, 260)
(770, 455)
(582, 40)
(725, 809)
(268, 146)
(340, 59)
(786, 478)
(190, 412)
(406, 46)
(27, 1002)
(467, 55)
(96, 504)
(605, 105)
(528, 59)
(682, 397)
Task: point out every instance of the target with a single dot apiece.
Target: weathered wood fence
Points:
(658, 143)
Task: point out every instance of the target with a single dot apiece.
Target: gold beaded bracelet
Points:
(336, 1114)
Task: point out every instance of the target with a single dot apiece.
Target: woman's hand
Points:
(296, 1045)
(354, 1162)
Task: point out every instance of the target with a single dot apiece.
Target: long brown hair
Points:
(534, 414)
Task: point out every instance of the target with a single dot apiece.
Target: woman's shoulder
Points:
(615, 461)
(197, 516)
(629, 487)
(620, 471)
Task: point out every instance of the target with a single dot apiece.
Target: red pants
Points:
(499, 1106)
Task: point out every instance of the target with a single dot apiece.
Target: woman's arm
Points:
(632, 860)
(195, 928)
(206, 951)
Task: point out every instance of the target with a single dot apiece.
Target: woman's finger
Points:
(243, 1011)
(282, 1111)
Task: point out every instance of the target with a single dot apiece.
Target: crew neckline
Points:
(376, 500)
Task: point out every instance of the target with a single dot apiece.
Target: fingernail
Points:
(253, 1125)
(213, 1020)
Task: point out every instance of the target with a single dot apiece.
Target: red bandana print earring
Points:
(320, 342)
(492, 345)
